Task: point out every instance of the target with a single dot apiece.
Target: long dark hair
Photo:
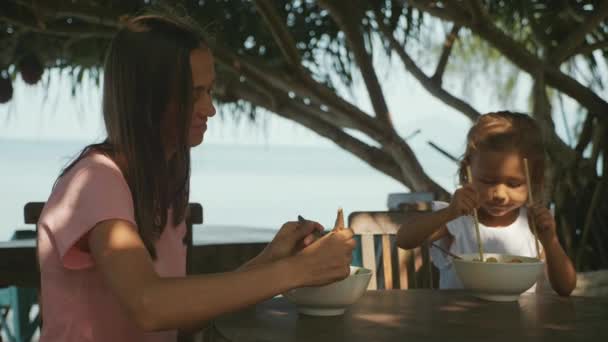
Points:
(147, 108)
(508, 131)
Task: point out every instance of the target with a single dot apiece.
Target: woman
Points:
(110, 238)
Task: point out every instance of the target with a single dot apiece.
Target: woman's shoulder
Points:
(94, 163)
(94, 169)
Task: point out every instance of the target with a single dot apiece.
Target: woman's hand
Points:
(327, 260)
(465, 199)
(290, 239)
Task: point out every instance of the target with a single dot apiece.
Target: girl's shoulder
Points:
(438, 205)
(457, 225)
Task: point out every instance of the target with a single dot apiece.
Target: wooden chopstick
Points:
(339, 224)
(445, 251)
(530, 203)
(475, 218)
(303, 221)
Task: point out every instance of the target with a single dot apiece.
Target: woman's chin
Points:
(196, 140)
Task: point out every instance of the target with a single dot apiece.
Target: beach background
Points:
(247, 192)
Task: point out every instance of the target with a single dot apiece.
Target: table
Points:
(425, 315)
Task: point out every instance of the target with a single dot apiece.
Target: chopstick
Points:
(475, 218)
(445, 251)
(303, 221)
(339, 224)
(530, 203)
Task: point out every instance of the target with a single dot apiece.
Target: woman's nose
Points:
(211, 111)
(204, 109)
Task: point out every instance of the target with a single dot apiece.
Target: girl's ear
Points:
(462, 170)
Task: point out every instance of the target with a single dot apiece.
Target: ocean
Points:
(247, 191)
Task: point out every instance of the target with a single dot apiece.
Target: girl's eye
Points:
(515, 184)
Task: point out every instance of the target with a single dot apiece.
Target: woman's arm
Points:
(158, 303)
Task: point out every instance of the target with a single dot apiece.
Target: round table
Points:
(425, 315)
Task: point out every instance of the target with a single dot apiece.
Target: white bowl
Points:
(331, 299)
(501, 281)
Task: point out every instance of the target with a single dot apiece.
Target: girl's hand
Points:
(465, 199)
(327, 260)
(290, 239)
(545, 224)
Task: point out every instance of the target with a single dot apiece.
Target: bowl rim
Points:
(366, 271)
(529, 260)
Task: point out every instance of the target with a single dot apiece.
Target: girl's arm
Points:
(157, 303)
(560, 270)
(423, 226)
(432, 226)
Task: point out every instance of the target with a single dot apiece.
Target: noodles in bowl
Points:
(500, 277)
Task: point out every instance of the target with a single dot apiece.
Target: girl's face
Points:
(203, 78)
(499, 178)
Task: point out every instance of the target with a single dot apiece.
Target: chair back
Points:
(400, 268)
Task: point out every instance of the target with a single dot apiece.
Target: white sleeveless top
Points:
(515, 239)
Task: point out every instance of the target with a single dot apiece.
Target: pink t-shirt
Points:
(76, 303)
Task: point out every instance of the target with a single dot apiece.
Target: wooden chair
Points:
(412, 268)
(19, 302)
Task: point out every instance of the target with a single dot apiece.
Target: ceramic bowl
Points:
(331, 299)
(504, 279)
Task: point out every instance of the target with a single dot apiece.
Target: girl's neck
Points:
(497, 221)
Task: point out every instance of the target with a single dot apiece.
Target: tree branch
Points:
(477, 11)
(576, 38)
(585, 135)
(280, 33)
(521, 57)
(340, 111)
(349, 21)
(64, 31)
(445, 55)
(456, 15)
(443, 152)
(303, 82)
(428, 83)
(88, 14)
(561, 153)
(295, 111)
(276, 99)
(587, 49)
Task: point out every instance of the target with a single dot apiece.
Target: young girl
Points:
(110, 238)
(496, 147)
